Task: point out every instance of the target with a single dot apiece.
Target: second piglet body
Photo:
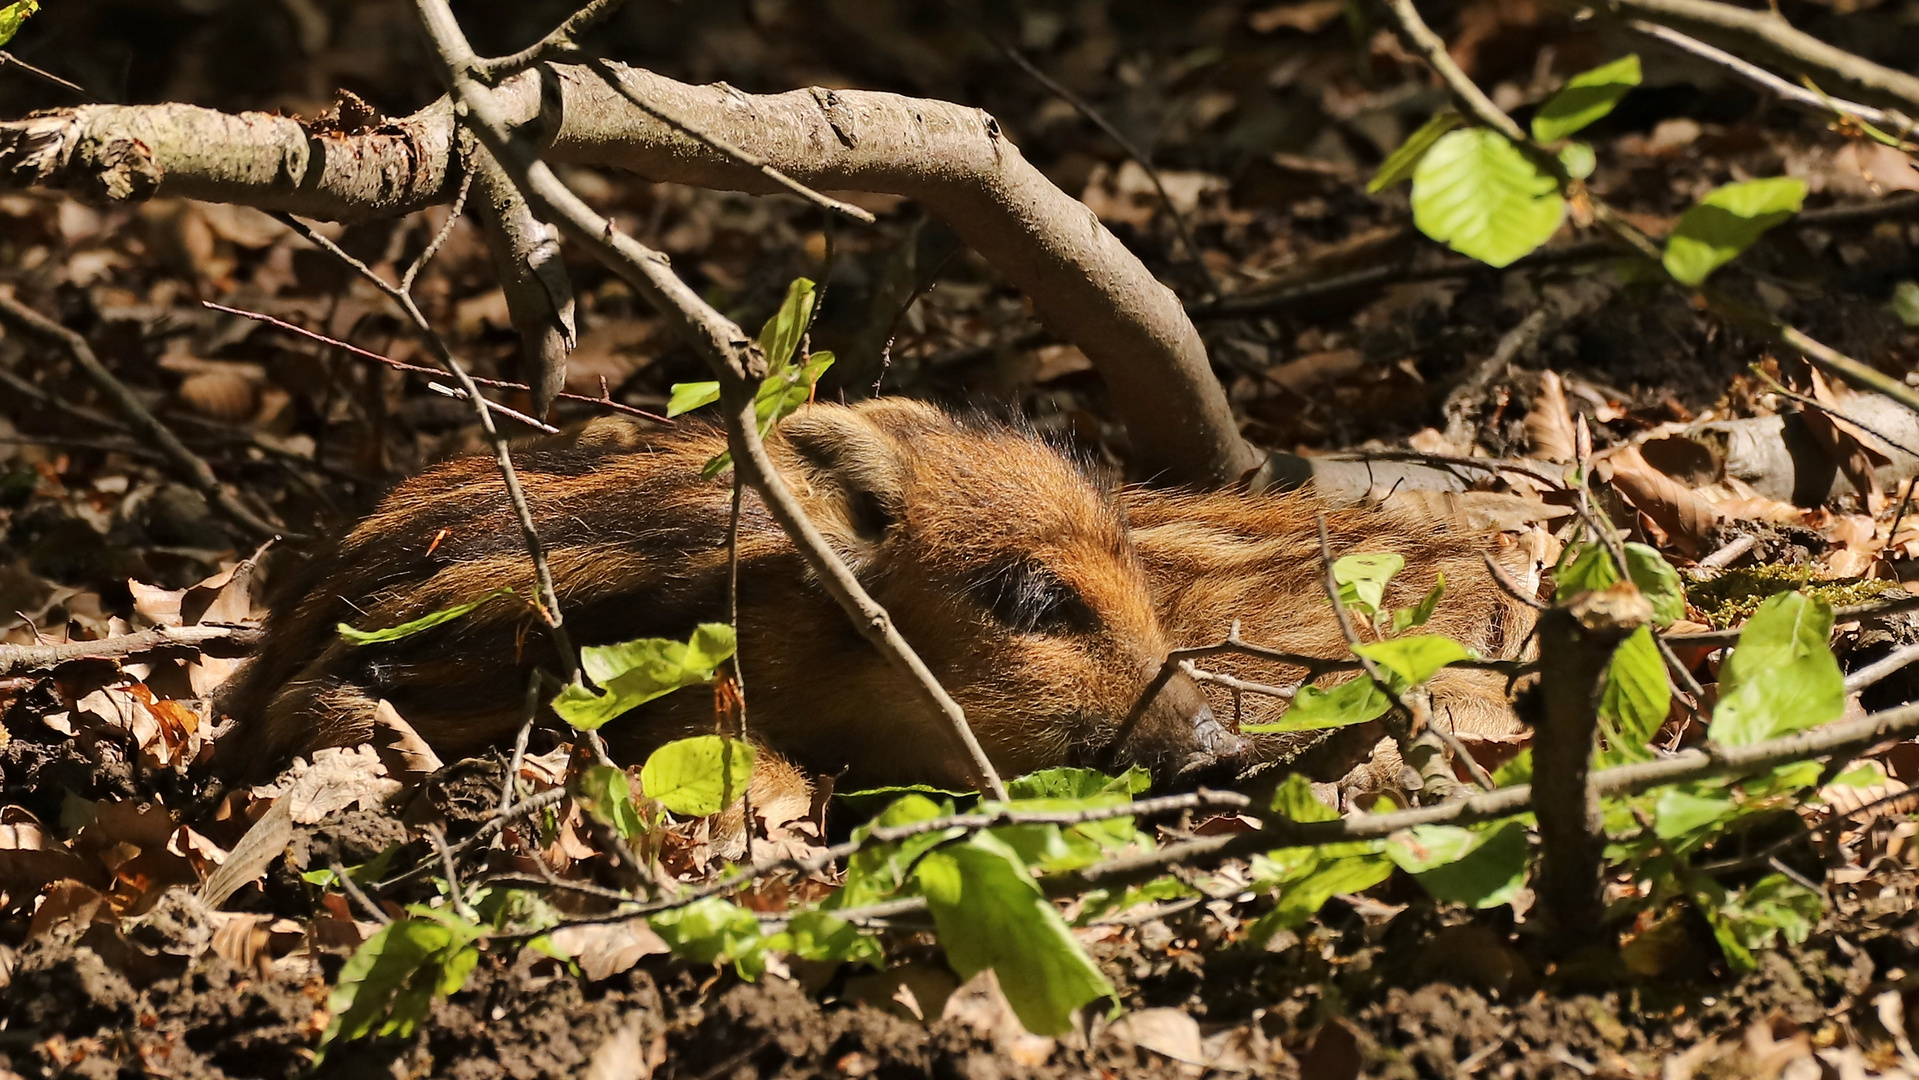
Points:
(1010, 571)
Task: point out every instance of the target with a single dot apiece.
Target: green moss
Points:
(1730, 598)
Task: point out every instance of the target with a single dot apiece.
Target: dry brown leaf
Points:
(1549, 426)
(337, 777)
(239, 937)
(405, 754)
(912, 991)
(1850, 448)
(249, 859)
(603, 950)
(220, 395)
(620, 1055)
(1678, 510)
(1305, 16)
(982, 1006)
(1171, 1032)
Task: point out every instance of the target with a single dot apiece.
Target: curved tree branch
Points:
(952, 159)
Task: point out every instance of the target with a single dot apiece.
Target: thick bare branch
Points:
(952, 159)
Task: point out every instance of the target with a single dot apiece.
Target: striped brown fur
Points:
(1001, 561)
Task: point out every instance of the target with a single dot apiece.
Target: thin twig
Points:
(1236, 684)
(359, 896)
(549, 601)
(728, 351)
(1892, 663)
(493, 406)
(739, 676)
(19, 658)
(603, 400)
(439, 238)
(1507, 585)
(1839, 614)
(1127, 146)
(532, 804)
(559, 43)
(193, 467)
(9, 58)
(1785, 90)
(1465, 757)
(455, 892)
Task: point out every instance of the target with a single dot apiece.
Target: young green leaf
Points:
(781, 393)
(633, 673)
(608, 796)
(1362, 580)
(1302, 899)
(1578, 159)
(424, 622)
(1586, 97)
(1636, 697)
(688, 396)
(711, 931)
(782, 333)
(389, 983)
(1294, 799)
(1066, 782)
(877, 871)
(13, 15)
(1658, 581)
(1726, 222)
(1583, 567)
(1415, 658)
(1781, 676)
(1399, 165)
(1408, 618)
(1480, 195)
(1352, 702)
(1689, 808)
(823, 936)
(697, 777)
(991, 914)
(1905, 302)
(1465, 866)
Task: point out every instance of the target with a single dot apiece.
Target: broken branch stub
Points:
(952, 159)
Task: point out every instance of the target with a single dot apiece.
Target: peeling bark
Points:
(953, 159)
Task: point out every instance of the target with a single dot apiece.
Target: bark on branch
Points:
(952, 159)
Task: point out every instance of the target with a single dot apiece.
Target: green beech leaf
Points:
(1726, 222)
(1352, 702)
(1407, 618)
(1586, 97)
(1905, 302)
(1399, 165)
(991, 914)
(1480, 195)
(1416, 657)
(782, 333)
(1658, 581)
(633, 673)
(13, 15)
(823, 936)
(1781, 676)
(1583, 567)
(711, 931)
(1300, 900)
(688, 396)
(1634, 702)
(1067, 782)
(424, 622)
(697, 777)
(1295, 799)
(1689, 808)
(876, 871)
(387, 986)
(1362, 580)
(608, 796)
(1465, 866)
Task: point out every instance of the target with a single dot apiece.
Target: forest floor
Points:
(1335, 326)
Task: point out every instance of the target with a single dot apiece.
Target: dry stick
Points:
(1203, 799)
(194, 468)
(500, 819)
(1576, 645)
(1126, 145)
(439, 238)
(737, 153)
(1776, 41)
(1235, 684)
(1458, 431)
(1890, 664)
(1412, 713)
(1786, 91)
(1507, 585)
(1832, 740)
(526, 258)
(415, 369)
(561, 41)
(549, 603)
(727, 350)
(739, 677)
(9, 58)
(358, 895)
(19, 658)
(495, 407)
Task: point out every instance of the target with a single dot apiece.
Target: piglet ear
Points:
(850, 474)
